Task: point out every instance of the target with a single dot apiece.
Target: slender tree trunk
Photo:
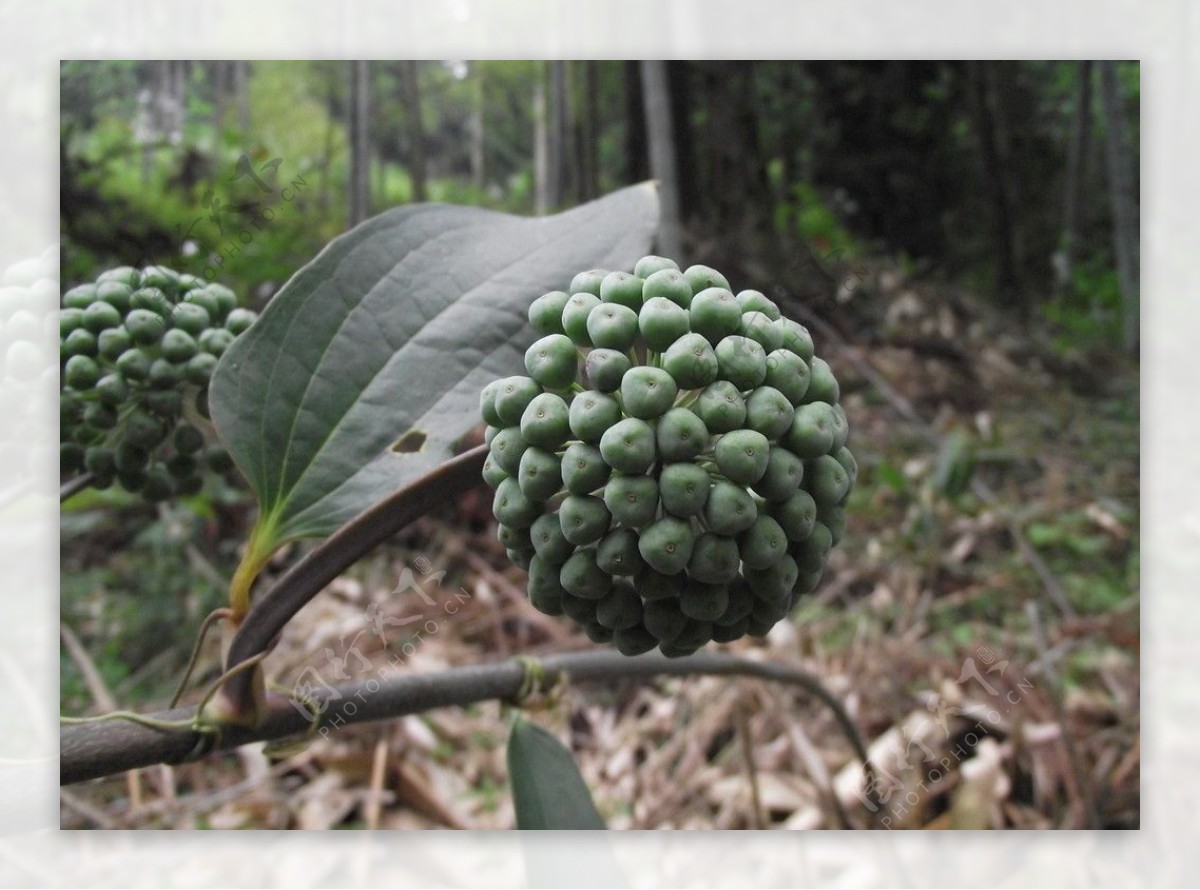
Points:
(541, 149)
(662, 155)
(360, 172)
(1076, 167)
(637, 166)
(680, 83)
(476, 129)
(556, 145)
(416, 131)
(241, 93)
(993, 175)
(219, 72)
(1124, 199)
(588, 119)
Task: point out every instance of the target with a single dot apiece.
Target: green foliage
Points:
(805, 216)
(1089, 315)
(712, 501)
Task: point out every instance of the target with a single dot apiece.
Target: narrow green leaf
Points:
(390, 332)
(548, 791)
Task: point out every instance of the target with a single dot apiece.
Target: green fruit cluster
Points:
(672, 468)
(137, 350)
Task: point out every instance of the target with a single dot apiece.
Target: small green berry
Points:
(632, 500)
(648, 265)
(648, 393)
(762, 330)
(683, 488)
(539, 474)
(763, 544)
(237, 322)
(769, 412)
(721, 407)
(788, 373)
(507, 448)
(714, 314)
(546, 422)
(622, 288)
(584, 469)
(548, 540)
(100, 316)
(662, 322)
(681, 435)
(511, 507)
(145, 327)
(704, 277)
(691, 361)
(605, 368)
(512, 397)
(588, 282)
(715, 560)
(621, 608)
(666, 545)
(552, 361)
(581, 576)
(584, 519)
(757, 301)
(668, 284)
(81, 372)
(741, 361)
(742, 456)
(782, 477)
(545, 313)
(811, 432)
(823, 387)
(628, 446)
(178, 346)
(826, 480)
(575, 316)
(612, 326)
(591, 415)
(730, 509)
(617, 553)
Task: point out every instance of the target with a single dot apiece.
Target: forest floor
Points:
(982, 631)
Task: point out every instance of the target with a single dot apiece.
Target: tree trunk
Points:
(541, 193)
(589, 173)
(1076, 167)
(662, 156)
(476, 129)
(993, 175)
(1125, 202)
(416, 132)
(679, 82)
(556, 144)
(241, 93)
(637, 166)
(360, 155)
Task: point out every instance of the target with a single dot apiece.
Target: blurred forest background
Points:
(962, 240)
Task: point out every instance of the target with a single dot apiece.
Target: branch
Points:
(354, 540)
(90, 751)
(74, 486)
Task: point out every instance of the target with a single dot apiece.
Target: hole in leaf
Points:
(410, 442)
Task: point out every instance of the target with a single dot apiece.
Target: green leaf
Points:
(386, 338)
(548, 791)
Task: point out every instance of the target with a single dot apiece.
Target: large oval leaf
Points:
(548, 791)
(391, 332)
